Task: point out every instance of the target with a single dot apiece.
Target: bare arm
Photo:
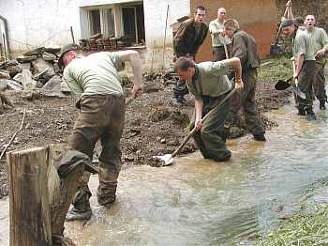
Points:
(236, 67)
(299, 64)
(134, 58)
(199, 113)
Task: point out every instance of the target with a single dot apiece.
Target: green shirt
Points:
(319, 38)
(210, 79)
(217, 40)
(303, 46)
(96, 74)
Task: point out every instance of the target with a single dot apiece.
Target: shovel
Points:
(168, 159)
(284, 84)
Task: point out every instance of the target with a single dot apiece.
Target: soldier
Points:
(186, 42)
(218, 40)
(305, 66)
(319, 39)
(95, 81)
(244, 47)
(209, 84)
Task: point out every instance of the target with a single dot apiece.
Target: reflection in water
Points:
(201, 202)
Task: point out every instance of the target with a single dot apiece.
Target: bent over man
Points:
(209, 83)
(94, 79)
(186, 42)
(244, 47)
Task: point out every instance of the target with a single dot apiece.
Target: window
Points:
(124, 21)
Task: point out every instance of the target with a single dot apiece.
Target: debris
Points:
(53, 87)
(26, 59)
(14, 135)
(40, 65)
(4, 74)
(25, 78)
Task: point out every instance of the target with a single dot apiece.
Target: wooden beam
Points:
(30, 222)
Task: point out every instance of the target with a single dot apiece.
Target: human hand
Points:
(136, 91)
(198, 124)
(239, 84)
(320, 53)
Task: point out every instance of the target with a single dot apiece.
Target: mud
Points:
(153, 125)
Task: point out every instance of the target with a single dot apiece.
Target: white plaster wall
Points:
(34, 23)
(155, 18)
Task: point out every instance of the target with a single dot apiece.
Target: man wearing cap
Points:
(186, 42)
(244, 47)
(95, 81)
(306, 67)
(209, 83)
(219, 41)
(319, 39)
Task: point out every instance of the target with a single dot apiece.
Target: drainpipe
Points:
(7, 45)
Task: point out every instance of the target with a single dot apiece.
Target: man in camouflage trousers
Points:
(244, 47)
(186, 42)
(319, 39)
(96, 83)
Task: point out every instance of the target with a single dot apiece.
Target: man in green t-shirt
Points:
(319, 39)
(209, 84)
(306, 67)
(94, 80)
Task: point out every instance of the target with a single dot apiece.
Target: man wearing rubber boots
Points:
(209, 84)
(95, 81)
(186, 42)
(306, 67)
(319, 39)
(244, 47)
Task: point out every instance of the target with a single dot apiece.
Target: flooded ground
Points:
(200, 202)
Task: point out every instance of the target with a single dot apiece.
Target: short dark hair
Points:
(183, 63)
(287, 22)
(200, 7)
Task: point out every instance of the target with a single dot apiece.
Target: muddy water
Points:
(199, 202)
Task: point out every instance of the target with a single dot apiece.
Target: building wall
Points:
(258, 17)
(47, 23)
(40, 23)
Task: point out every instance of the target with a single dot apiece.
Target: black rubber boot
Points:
(301, 112)
(322, 104)
(259, 137)
(81, 207)
(310, 115)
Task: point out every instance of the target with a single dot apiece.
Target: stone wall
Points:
(318, 8)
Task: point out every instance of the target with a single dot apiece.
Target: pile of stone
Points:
(35, 70)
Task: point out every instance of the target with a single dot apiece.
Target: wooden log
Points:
(30, 222)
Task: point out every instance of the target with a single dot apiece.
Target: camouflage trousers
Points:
(101, 118)
(211, 138)
(319, 83)
(245, 100)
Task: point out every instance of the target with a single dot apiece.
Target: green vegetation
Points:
(301, 229)
(275, 69)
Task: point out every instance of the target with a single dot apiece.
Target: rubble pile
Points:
(36, 72)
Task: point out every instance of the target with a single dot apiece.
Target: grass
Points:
(275, 69)
(301, 229)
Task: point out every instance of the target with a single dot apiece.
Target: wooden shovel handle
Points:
(194, 130)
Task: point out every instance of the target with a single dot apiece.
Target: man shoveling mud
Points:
(244, 47)
(94, 79)
(319, 39)
(209, 84)
(305, 67)
(186, 42)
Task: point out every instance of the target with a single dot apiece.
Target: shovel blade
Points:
(166, 160)
(282, 85)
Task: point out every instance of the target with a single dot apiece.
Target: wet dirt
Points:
(154, 124)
